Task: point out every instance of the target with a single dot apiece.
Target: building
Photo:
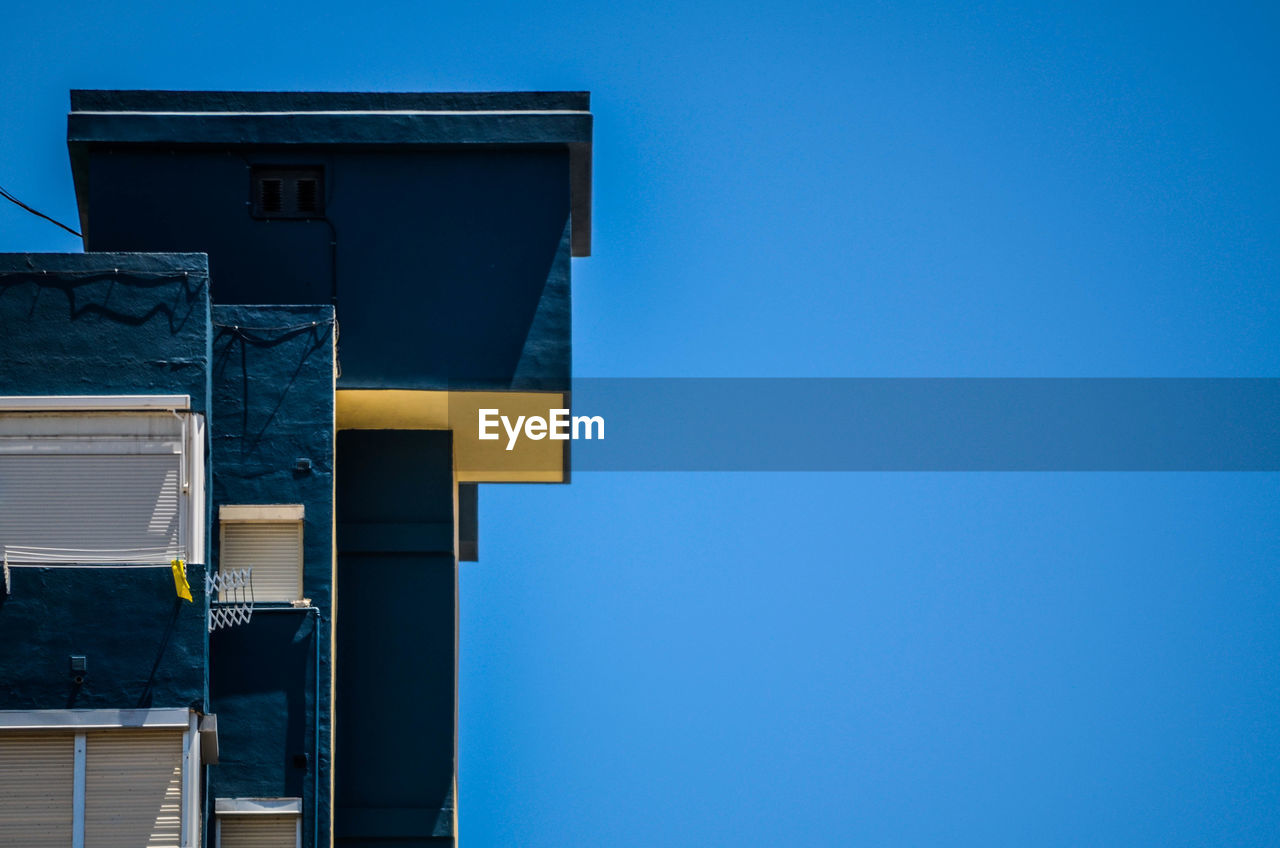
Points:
(266, 367)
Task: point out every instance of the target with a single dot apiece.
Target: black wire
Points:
(288, 328)
(7, 196)
(129, 274)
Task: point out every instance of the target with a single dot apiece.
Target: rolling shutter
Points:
(113, 508)
(133, 789)
(258, 831)
(273, 549)
(36, 784)
(92, 488)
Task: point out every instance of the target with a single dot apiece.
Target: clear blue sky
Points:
(839, 189)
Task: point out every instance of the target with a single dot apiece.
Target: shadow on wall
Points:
(141, 646)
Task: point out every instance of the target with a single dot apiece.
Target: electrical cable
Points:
(9, 197)
(285, 329)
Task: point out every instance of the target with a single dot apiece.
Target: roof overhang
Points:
(400, 120)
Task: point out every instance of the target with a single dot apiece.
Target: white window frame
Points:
(224, 808)
(192, 511)
(94, 403)
(291, 514)
(79, 722)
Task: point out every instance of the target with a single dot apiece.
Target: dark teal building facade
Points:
(267, 362)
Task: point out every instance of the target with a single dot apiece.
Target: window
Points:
(267, 539)
(101, 480)
(259, 822)
(79, 777)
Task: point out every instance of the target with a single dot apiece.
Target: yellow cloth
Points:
(180, 579)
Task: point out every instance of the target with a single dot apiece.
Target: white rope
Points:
(30, 556)
(88, 565)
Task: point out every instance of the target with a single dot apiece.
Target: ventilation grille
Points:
(287, 192)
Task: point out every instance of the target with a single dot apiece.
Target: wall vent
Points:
(287, 191)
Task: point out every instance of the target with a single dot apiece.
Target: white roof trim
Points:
(261, 512)
(242, 114)
(99, 403)
(257, 806)
(91, 719)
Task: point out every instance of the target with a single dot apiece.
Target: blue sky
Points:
(840, 189)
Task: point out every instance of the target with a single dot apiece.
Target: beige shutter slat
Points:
(125, 507)
(133, 789)
(273, 549)
(258, 831)
(37, 773)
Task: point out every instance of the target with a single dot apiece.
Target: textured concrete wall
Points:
(143, 645)
(450, 267)
(110, 323)
(92, 325)
(273, 405)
